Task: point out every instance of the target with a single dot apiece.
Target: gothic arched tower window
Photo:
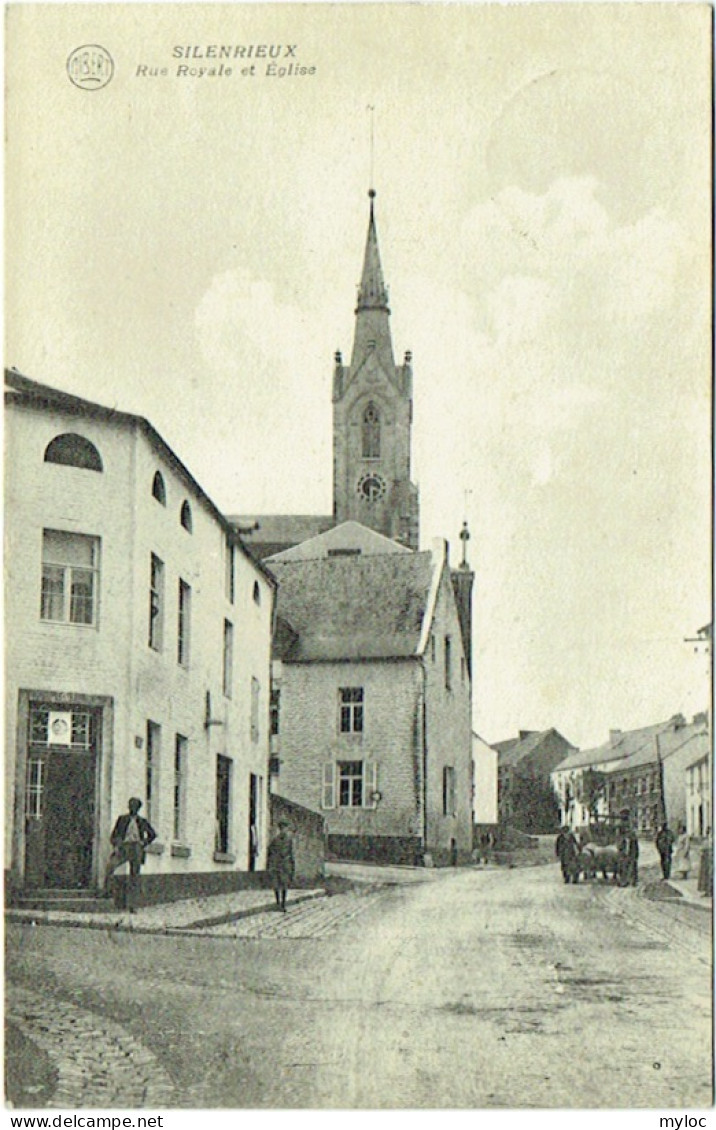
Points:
(371, 432)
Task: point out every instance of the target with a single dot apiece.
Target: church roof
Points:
(278, 532)
(345, 608)
(372, 293)
(349, 539)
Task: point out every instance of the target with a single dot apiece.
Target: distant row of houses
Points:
(656, 772)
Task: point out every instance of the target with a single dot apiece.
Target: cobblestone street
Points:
(471, 988)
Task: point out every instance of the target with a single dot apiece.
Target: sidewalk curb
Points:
(127, 925)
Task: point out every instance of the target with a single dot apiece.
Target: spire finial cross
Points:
(371, 110)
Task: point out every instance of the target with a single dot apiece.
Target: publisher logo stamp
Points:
(90, 67)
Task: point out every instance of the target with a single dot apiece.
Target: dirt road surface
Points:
(473, 989)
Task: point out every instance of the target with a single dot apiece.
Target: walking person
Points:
(280, 863)
(682, 854)
(665, 847)
(130, 839)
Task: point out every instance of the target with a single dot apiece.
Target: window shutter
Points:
(370, 783)
(329, 784)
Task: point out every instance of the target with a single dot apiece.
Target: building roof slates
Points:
(356, 607)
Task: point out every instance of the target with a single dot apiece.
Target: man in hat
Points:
(627, 857)
(665, 847)
(566, 848)
(130, 839)
(280, 863)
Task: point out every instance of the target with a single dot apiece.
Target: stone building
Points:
(138, 636)
(484, 801)
(524, 792)
(372, 698)
(640, 770)
(650, 781)
(699, 794)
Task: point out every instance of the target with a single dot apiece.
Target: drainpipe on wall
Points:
(424, 736)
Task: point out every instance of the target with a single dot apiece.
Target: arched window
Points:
(159, 491)
(186, 516)
(73, 451)
(371, 432)
(257, 593)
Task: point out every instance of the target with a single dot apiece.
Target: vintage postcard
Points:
(358, 744)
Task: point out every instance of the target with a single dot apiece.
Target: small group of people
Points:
(675, 854)
(132, 835)
(573, 860)
(484, 850)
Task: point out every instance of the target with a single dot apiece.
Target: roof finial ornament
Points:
(464, 538)
(465, 534)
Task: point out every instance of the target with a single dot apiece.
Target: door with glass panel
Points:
(60, 796)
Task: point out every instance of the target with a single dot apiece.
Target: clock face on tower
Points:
(371, 488)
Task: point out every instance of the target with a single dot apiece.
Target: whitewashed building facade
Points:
(138, 636)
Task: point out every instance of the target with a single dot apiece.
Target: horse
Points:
(598, 857)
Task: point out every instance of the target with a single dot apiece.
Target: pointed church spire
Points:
(372, 293)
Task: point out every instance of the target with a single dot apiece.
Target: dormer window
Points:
(186, 516)
(72, 450)
(371, 432)
(159, 491)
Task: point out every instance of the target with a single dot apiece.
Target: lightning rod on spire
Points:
(371, 110)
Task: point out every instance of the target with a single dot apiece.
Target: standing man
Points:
(628, 857)
(280, 863)
(130, 838)
(665, 847)
(566, 849)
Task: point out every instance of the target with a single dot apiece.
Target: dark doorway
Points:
(60, 800)
(253, 827)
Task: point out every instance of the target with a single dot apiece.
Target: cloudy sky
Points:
(188, 248)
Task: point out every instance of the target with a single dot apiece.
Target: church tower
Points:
(372, 417)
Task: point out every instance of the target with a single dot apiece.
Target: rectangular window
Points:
(70, 578)
(229, 563)
(228, 660)
(34, 787)
(255, 704)
(180, 773)
(61, 727)
(156, 603)
(350, 784)
(151, 771)
(432, 647)
(223, 803)
(351, 710)
(184, 623)
(275, 711)
(449, 808)
(448, 662)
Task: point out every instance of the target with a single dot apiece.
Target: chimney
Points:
(615, 737)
